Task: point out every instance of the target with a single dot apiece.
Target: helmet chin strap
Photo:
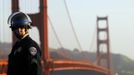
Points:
(24, 36)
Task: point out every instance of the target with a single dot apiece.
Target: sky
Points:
(83, 15)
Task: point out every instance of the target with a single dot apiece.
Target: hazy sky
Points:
(83, 14)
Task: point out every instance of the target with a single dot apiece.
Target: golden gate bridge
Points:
(60, 67)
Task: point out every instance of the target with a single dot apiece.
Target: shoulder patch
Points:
(33, 51)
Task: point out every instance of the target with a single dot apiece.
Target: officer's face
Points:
(19, 32)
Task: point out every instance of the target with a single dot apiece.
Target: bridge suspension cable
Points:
(51, 24)
(72, 25)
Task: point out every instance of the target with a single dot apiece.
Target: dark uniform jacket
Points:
(25, 58)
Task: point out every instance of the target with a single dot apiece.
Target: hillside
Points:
(4, 50)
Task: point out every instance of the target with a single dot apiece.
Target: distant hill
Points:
(123, 64)
(120, 63)
(5, 48)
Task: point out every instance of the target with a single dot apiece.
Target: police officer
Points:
(25, 56)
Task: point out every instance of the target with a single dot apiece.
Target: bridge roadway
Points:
(66, 67)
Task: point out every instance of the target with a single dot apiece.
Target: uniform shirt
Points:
(25, 58)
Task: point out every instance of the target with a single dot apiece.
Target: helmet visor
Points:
(10, 22)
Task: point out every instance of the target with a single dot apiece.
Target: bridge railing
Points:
(3, 67)
(63, 65)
